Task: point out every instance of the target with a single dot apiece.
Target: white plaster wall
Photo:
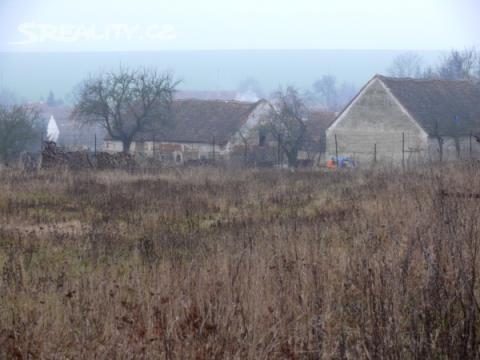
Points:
(113, 146)
(376, 117)
(250, 129)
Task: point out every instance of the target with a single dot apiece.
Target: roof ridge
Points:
(399, 79)
(233, 101)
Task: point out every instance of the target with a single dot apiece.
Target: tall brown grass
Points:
(216, 264)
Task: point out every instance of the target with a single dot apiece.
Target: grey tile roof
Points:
(440, 107)
(201, 121)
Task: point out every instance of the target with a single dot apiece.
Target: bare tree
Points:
(326, 88)
(52, 101)
(429, 73)
(330, 95)
(406, 65)
(287, 124)
(460, 65)
(346, 92)
(313, 148)
(126, 102)
(440, 140)
(17, 130)
(244, 137)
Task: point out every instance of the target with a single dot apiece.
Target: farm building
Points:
(393, 119)
(201, 130)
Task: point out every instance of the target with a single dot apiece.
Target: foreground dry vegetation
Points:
(212, 264)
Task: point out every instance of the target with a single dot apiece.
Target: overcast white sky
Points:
(84, 25)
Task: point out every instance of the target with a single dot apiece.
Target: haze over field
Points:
(33, 75)
(51, 45)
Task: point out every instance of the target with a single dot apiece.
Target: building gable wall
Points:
(250, 131)
(376, 122)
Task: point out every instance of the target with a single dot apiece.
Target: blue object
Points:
(345, 162)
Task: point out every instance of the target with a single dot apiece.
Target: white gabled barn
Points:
(394, 119)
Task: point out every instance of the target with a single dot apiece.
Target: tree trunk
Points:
(292, 159)
(126, 146)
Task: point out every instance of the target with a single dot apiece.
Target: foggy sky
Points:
(92, 25)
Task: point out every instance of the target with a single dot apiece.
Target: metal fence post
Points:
(374, 153)
(95, 145)
(470, 146)
(214, 149)
(403, 149)
(336, 151)
(153, 147)
(279, 150)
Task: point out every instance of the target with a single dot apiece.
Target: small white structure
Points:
(53, 132)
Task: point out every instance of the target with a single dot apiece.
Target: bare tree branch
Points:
(406, 65)
(460, 65)
(287, 124)
(126, 102)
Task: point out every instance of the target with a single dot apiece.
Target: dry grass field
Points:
(217, 264)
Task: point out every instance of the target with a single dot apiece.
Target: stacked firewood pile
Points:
(55, 157)
(106, 161)
(78, 160)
